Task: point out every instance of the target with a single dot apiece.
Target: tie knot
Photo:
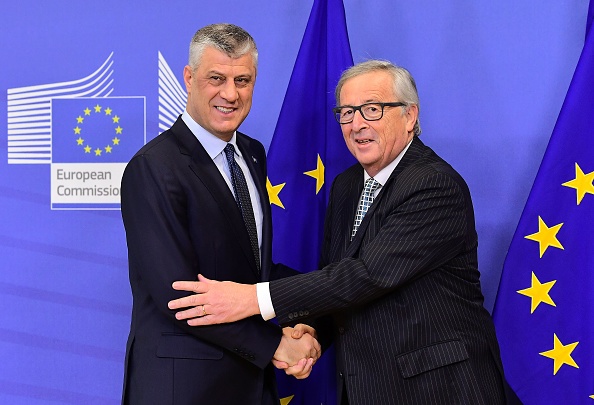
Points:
(371, 185)
(230, 151)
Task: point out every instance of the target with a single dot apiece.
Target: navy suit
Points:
(407, 310)
(181, 219)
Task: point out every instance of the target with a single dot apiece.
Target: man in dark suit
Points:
(194, 201)
(399, 273)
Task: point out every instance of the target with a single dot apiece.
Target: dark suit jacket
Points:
(181, 219)
(409, 321)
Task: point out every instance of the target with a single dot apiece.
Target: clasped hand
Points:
(298, 351)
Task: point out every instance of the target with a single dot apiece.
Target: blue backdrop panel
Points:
(491, 75)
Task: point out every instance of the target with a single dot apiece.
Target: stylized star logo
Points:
(546, 236)
(583, 183)
(318, 174)
(78, 130)
(538, 292)
(273, 192)
(561, 354)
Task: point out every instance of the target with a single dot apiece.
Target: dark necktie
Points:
(242, 196)
(365, 202)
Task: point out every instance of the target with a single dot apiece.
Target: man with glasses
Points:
(398, 291)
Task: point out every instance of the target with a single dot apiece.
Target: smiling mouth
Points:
(362, 141)
(225, 110)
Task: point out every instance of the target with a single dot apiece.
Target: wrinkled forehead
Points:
(367, 87)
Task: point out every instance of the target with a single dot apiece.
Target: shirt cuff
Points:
(265, 301)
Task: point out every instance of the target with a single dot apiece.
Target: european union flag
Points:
(306, 153)
(544, 311)
(97, 129)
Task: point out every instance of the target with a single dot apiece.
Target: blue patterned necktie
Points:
(242, 196)
(364, 203)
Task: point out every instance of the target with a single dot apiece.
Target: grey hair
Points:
(228, 38)
(405, 88)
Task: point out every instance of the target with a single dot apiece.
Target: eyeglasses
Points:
(369, 111)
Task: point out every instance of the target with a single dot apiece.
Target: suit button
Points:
(301, 313)
(340, 375)
(290, 316)
(306, 312)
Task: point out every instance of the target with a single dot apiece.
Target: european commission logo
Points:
(92, 141)
(85, 133)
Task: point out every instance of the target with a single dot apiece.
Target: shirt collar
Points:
(382, 176)
(213, 145)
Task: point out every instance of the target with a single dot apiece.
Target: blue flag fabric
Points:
(544, 310)
(306, 153)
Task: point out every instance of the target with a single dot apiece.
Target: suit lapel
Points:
(412, 154)
(355, 188)
(207, 172)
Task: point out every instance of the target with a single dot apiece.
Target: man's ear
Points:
(188, 75)
(412, 113)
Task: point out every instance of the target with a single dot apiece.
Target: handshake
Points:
(298, 351)
(216, 302)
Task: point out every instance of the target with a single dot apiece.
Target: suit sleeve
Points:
(155, 215)
(419, 231)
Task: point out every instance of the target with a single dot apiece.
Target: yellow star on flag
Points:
(87, 149)
(285, 401)
(80, 141)
(97, 152)
(77, 130)
(118, 130)
(79, 120)
(583, 183)
(273, 192)
(561, 354)
(538, 292)
(87, 111)
(108, 149)
(116, 119)
(318, 174)
(546, 236)
(108, 111)
(97, 108)
(116, 141)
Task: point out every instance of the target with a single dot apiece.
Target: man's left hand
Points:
(214, 301)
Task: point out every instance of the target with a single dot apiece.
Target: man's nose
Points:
(359, 122)
(229, 91)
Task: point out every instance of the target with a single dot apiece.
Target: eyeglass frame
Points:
(336, 110)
